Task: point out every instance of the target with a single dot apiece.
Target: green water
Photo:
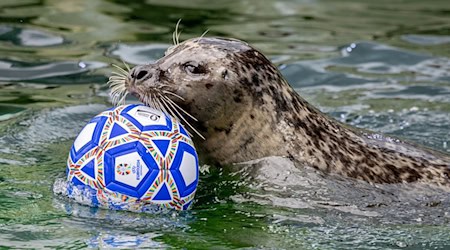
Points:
(379, 65)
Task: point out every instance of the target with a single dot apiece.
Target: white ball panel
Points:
(147, 116)
(188, 168)
(135, 165)
(85, 136)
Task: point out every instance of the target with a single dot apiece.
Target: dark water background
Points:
(380, 65)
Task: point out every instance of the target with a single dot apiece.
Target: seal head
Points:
(200, 72)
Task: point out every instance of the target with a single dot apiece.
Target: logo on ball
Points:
(137, 169)
(123, 169)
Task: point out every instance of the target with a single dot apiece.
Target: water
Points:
(379, 65)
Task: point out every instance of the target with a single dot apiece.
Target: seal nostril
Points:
(141, 74)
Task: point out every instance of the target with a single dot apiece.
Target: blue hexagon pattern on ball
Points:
(133, 155)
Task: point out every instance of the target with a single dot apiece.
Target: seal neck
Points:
(316, 140)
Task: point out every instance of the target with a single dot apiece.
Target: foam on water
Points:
(89, 196)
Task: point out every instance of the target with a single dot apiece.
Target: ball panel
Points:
(188, 168)
(116, 131)
(89, 169)
(85, 136)
(163, 190)
(162, 145)
(77, 182)
(122, 189)
(129, 169)
(146, 118)
(162, 194)
(90, 138)
(184, 187)
(183, 131)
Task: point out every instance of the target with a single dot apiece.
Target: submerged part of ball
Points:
(133, 156)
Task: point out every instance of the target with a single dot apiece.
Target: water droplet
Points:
(401, 244)
(352, 45)
(82, 65)
(349, 49)
(414, 109)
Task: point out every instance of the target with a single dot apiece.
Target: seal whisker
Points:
(173, 38)
(162, 86)
(117, 89)
(122, 100)
(117, 84)
(175, 34)
(178, 38)
(171, 93)
(120, 69)
(173, 104)
(117, 74)
(175, 116)
(167, 108)
(204, 34)
(148, 101)
(118, 95)
(116, 79)
(161, 107)
(178, 115)
(126, 66)
(154, 102)
(114, 83)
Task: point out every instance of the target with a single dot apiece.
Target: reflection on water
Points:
(28, 37)
(378, 65)
(16, 71)
(138, 54)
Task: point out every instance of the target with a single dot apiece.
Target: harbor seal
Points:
(244, 108)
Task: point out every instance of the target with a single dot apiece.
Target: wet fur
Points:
(246, 110)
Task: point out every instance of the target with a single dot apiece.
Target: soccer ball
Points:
(133, 155)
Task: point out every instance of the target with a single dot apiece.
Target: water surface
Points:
(379, 65)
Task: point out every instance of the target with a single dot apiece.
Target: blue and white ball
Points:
(134, 155)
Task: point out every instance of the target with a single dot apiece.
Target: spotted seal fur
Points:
(246, 110)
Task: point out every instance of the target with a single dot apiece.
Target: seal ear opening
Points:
(225, 74)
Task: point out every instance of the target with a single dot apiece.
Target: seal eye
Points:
(194, 68)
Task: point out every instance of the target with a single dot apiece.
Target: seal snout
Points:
(141, 78)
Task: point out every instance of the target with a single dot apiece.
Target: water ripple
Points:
(16, 71)
(29, 37)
